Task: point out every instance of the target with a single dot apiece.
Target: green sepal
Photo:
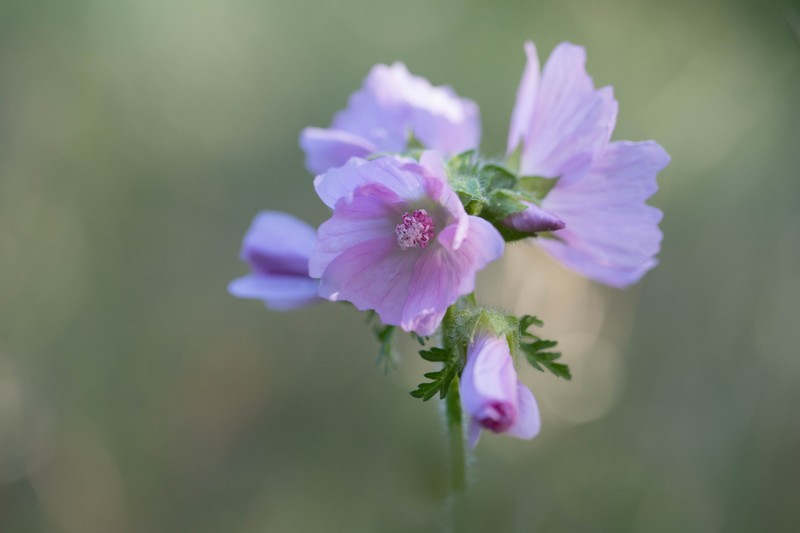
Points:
(537, 186)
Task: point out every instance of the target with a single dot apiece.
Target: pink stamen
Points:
(415, 230)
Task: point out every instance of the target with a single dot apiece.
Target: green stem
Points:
(455, 431)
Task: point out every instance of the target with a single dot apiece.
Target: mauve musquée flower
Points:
(491, 393)
(602, 227)
(399, 241)
(391, 106)
(277, 247)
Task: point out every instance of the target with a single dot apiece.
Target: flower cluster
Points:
(416, 212)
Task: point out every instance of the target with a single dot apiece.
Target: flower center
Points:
(414, 230)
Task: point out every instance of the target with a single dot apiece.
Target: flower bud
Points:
(492, 395)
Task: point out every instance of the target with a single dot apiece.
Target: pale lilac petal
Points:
(340, 183)
(534, 219)
(370, 214)
(436, 116)
(447, 123)
(444, 273)
(611, 235)
(329, 148)
(391, 106)
(522, 116)
(278, 243)
(528, 423)
(378, 112)
(278, 292)
(571, 121)
(371, 275)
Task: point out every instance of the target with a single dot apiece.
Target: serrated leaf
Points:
(440, 383)
(545, 360)
(435, 355)
(526, 321)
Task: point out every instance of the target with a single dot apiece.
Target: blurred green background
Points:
(137, 141)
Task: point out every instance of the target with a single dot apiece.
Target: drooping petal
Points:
(278, 292)
(571, 121)
(278, 243)
(444, 272)
(528, 423)
(534, 220)
(340, 183)
(330, 148)
(611, 235)
(522, 116)
(473, 432)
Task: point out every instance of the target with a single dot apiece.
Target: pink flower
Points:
(564, 124)
(277, 247)
(492, 395)
(391, 105)
(399, 241)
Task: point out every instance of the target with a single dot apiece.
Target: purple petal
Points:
(522, 116)
(329, 148)
(528, 423)
(371, 213)
(278, 243)
(390, 171)
(277, 292)
(534, 220)
(443, 273)
(570, 121)
(371, 275)
(611, 235)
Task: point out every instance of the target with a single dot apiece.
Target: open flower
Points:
(603, 228)
(277, 247)
(391, 106)
(399, 241)
(492, 395)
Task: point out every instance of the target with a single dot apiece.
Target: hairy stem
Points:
(455, 431)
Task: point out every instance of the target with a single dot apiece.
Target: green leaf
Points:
(504, 202)
(541, 360)
(440, 383)
(435, 355)
(526, 321)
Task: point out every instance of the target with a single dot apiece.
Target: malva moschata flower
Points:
(399, 241)
(596, 209)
